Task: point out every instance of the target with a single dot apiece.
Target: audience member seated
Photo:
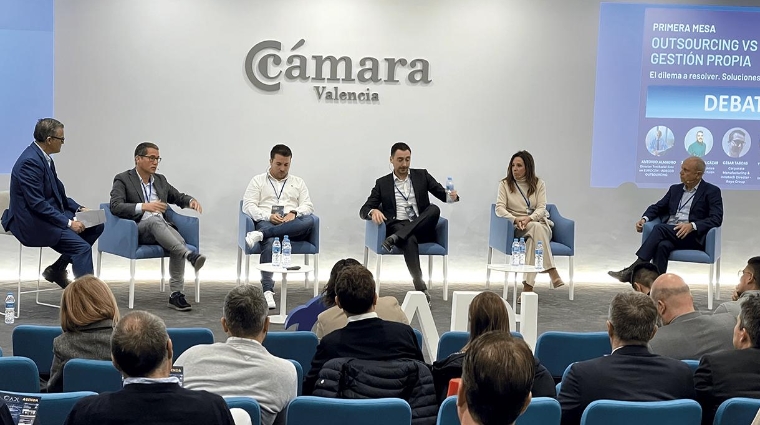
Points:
(88, 315)
(748, 285)
(497, 377)
(631, 372)
(333, 318)
(487, 313)
(242, 367)
(366, 336)
(142, 352)
(686, 334)
(732, 373)
(643, 276)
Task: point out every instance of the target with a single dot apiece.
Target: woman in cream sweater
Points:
(522, 199)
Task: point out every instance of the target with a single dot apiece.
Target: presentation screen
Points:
(26, 73)
(673, 82)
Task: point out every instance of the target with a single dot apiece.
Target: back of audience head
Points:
(487, 313)
(632, 319)
(643, 276)
(747, 329)
(328, 293)
(85, 301)
(497, 377)
(140, 346)
(355, 290)
(672, 297)
(245, 312)
(751, 274)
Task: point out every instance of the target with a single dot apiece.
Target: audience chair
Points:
(453, 341)
(184, 338)
(249, 404)
(55, 407)
(120, 238)
(36, 343)
(299, 375)
(557, 350)
(693, 364)
(374, 236)
(298, 346)
(1, 352)
(308, 410)
(501, 233)
(308, 247)
(19, 374)
(737, 410)
(541, 411)
(305, 315)
(420, 338)
(90, 375)
(671, 412)
(447, 413)
(711, 256)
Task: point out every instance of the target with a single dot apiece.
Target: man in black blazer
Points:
(732, 373)
(366, 336)
(631, 372)
(400, 199)
(688, 211)
(142, 195)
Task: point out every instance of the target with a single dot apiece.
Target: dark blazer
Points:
(383, 195)
(706, 207)
(39, 209)
(724, 375)
(631, 373)
(692, 335)
(368, 339)
(127, 192)
(88, 342)
(151, 404)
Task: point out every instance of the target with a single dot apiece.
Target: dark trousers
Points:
(411, 234)
(76, 248)
(662, 241)
(297, 230)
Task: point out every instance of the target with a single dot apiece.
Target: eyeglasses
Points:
(151, 158)
(741, 272)
(62, 139)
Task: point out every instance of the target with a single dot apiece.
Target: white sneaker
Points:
(254, 237)
(269, 295)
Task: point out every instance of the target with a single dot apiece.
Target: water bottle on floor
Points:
(522, 251)
(10, 309)
(539, 255)
(276, 250)
(449, 188)
(286, 250)
(515, 253)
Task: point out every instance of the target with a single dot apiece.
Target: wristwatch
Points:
(295, 213)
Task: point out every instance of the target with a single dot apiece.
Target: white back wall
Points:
(506, 75)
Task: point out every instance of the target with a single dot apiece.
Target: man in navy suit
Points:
(688, 211)
(40, 214)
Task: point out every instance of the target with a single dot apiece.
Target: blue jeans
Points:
(297, 230)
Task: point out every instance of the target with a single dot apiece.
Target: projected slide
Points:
(26, 73)
(674, 82)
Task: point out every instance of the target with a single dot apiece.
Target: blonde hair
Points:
(85, 301)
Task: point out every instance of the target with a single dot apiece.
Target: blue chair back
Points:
(249, 404)
(90, 375)
(541, 411)
(184, 338)
(55, 407)
(299, 376)
(447, 413)
(671, 412)
(374, 235)
(501, 233)
(305, 316)
(36, 343)
(737, 410)
(298, 346)
(420, 341)
(333, 411)
(557, 350)
(453, 341)
(19, 374)
(693, 364)
(245, 225)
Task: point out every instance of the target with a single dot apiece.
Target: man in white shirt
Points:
(279, 205)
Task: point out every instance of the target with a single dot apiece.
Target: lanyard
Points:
(406, 198)
(282, 189)
(147, 193)
(527, 201)
(681, 206)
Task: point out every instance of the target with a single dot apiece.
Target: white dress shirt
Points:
(404, 197)
(364, 316)
(264, 191)
(684, 206)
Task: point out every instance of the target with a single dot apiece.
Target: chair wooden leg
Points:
(132, 283)
(572, 282)
(717, 279)
(306, 275)
(378, 265)
(239, 264)
(430, 272)
(316, 274)
(488, 270)
(445, 277)
(366, 256)
(162, 288)
(98, 264)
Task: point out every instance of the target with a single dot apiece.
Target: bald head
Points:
(672, 296)
(696, 162)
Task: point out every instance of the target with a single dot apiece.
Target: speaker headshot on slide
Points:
(736, 142)
(40, 214)
(698, 141)
(659, 139)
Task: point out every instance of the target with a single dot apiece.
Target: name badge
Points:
(530, 210)
(278, 209)
(410, 212)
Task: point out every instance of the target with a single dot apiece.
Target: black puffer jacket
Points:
(410, 380)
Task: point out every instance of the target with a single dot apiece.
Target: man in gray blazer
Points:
(748, 286)
(142, 195)
(686, 334)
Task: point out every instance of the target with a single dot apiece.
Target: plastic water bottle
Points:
(276, 251)
(10, 309)
(539, 255)
(286, 251)
(515, 253)
(449, 188)
(522, 251)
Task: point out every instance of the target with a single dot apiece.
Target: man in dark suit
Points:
(732, 373)
(142, 351)
(688, 211)
(142, 195)
(41, 215)
(401, 200)
(631, 372)
(366, 336)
